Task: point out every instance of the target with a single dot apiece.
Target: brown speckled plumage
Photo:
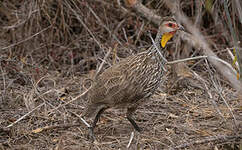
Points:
(132, 80)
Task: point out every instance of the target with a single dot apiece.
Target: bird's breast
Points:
(145, 74)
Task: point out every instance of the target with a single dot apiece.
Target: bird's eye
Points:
(170, 25)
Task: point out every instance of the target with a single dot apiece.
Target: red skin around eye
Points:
(173, 25)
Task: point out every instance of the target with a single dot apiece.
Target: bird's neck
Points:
(156, 48)
(158, 40)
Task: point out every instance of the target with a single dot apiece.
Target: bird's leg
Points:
(130, 111)
(91, 128)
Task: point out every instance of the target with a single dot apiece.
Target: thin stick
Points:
(74, 99)
(131, 139)
(4, 81)
(232, 57)
(186, 59)
(25, 115)
(102, 24)
(225, 63)
(219, 90)
(211, 98)
(52, 127)
(200, 57)
(28, 38)
(230, 109)
(85, 26)
(101, 66)
(83, 120)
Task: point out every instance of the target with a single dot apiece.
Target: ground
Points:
(48, 58)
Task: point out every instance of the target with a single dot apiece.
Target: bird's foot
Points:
(91, 135)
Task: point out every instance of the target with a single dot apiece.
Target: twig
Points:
(74, 99)
(186, 59)
(101, 66)
(235, 40)
(131, 139)
(102, 24)
(219, 138)
(84, 25)
(238, 6)
(138, 32)
(224, 62)
(211, 98)
(83, 120)
(19, 23)
(230, 110)
(4, 81)
(232, 57)
(219, 90)
(200, 57)
(28, 38)
(125, 35)
(38, 130)
(25, 115)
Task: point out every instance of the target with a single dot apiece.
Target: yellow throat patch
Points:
(165, 38)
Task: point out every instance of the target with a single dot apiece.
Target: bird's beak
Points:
(180, 27)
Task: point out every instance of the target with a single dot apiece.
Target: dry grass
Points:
(50, 49)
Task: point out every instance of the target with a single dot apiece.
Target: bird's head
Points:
(167, 30)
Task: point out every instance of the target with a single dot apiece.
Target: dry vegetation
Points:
(50, 49)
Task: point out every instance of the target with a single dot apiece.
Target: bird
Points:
(133, 80)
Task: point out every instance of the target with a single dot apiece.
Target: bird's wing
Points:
(105, 83)
(113, 87)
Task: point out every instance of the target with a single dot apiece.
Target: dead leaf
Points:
(38, 130)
